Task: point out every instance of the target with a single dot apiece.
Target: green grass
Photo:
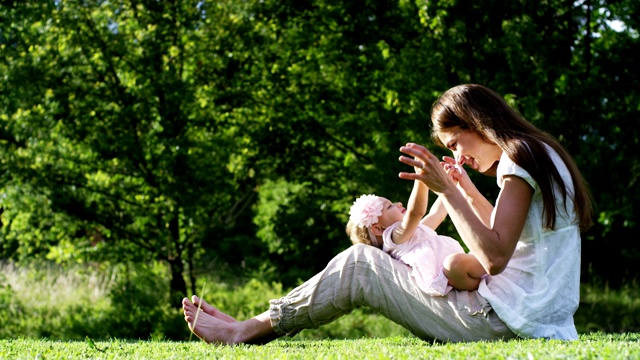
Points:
(591, 346)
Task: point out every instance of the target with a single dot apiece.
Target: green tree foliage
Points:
(119, 134)
(200, 132)
(604, 102)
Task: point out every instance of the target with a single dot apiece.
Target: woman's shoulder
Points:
(506, 167)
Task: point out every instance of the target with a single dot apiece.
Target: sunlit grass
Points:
(591, 346)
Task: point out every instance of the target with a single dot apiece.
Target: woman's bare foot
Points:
(215, 327)
(205, 325)
(211, 310)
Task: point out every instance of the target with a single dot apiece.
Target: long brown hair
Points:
(484, 112)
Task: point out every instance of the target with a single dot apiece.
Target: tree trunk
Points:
(178, 285)
(176, 266)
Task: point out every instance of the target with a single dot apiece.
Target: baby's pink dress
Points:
(424, 253)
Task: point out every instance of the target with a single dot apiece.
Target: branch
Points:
(126, 102)
(243, 202)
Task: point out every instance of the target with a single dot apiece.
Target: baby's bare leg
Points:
(463, 271)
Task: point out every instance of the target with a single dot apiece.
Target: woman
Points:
(529, 243)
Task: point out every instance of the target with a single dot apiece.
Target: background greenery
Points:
(187, 140)
(131, 302)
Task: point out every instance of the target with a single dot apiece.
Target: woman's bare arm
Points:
(492, 245)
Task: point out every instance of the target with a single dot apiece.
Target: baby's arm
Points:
(416, 208)
(437, 214)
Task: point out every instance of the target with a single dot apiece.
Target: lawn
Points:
(589, 346)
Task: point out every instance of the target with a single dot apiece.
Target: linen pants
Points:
(364, 275)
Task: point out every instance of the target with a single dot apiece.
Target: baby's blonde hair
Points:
(358, 235)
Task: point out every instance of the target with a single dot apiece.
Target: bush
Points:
(605, 310)
(46, 301)
(72, 303)
(139, 303)
(11, 312)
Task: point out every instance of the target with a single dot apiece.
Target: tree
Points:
(118, 140)
(181, 131)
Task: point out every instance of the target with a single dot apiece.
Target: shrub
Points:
(606, 310)
(11, 311)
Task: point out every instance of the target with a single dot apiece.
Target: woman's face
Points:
(470, 149)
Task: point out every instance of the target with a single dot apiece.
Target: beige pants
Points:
(366, 276)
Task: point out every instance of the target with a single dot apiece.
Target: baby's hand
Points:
(452, 167)
(458, 174)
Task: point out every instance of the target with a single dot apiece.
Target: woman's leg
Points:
(366, 276)
(359, 276)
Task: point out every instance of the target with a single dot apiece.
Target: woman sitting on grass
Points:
(529, 243)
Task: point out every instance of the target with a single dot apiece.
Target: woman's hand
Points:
(431, 171)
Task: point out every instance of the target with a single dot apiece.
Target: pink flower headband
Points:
(366, 210)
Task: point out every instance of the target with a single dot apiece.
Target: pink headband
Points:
(365, 212)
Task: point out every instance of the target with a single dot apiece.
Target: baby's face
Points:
(391, 213)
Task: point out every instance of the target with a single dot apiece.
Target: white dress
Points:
(539, 291)
(424, 253)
